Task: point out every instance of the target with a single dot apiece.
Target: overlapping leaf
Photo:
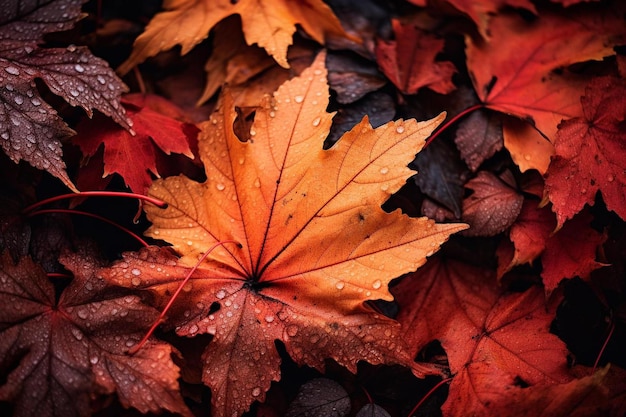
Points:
(521, 81)
(58, 354)
(314, 241)
(409, 60)
(495, 341)
(30, 129)
(155, 131)
(270, 24)
(591, 153)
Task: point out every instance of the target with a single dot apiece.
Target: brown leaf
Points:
(60, 354)
(30, 129)
(479, 137)
(493, 206)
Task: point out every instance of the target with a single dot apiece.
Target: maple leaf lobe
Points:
(315, 242)
(74, 348)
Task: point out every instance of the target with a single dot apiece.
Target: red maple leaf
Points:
(591, 153)
(529, 234)
(495, 340)
(409, 60)
(58, 354)
(523, 80)
(571, 251)
(134, 157)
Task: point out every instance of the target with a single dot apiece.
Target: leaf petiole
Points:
(155, 201)
(95, 216)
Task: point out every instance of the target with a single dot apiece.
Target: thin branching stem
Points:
(428, 394)
(94, 216)
(161, 317)
(140, 197)
(453, 120)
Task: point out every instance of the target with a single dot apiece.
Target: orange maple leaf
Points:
(315, 242)
(270, 24)
(514, 73)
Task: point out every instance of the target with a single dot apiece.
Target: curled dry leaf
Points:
(270, 24)
(495, 341)
(60, 354)
(30, 129)
(314, 241)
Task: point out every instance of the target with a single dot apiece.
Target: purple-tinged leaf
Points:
(30, 129)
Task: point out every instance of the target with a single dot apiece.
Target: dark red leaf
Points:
(30, 129)
(479, 137)
(58, 355)
(492, 208)
(409, 60)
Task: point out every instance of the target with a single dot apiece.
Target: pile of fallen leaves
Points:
(366, 208)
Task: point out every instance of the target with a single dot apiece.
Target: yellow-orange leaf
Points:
(268, 23)
(315, 242)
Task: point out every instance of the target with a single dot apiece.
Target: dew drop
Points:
(220, 187)
(610, 178)
(74, 93)
(190, 242)
(94, 360)
(317, 72)
(527, 157)
(384, 170)
(35, 101)
(377, 284)
(241, 160)
(83, 314)
(12, 70)
(272, 114)
(257, 183)
(298, 99)
(5, 135)
(292, 330)
(583, 191)
(193, 329)
(101, 79)
(18, 100)
(339, 285)
(79, 68)
(136, 281)
(400, 129)
(220, 294)
(135, 272)
(316, 121)
(269, 319)
(252, 132)
(256, 392)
